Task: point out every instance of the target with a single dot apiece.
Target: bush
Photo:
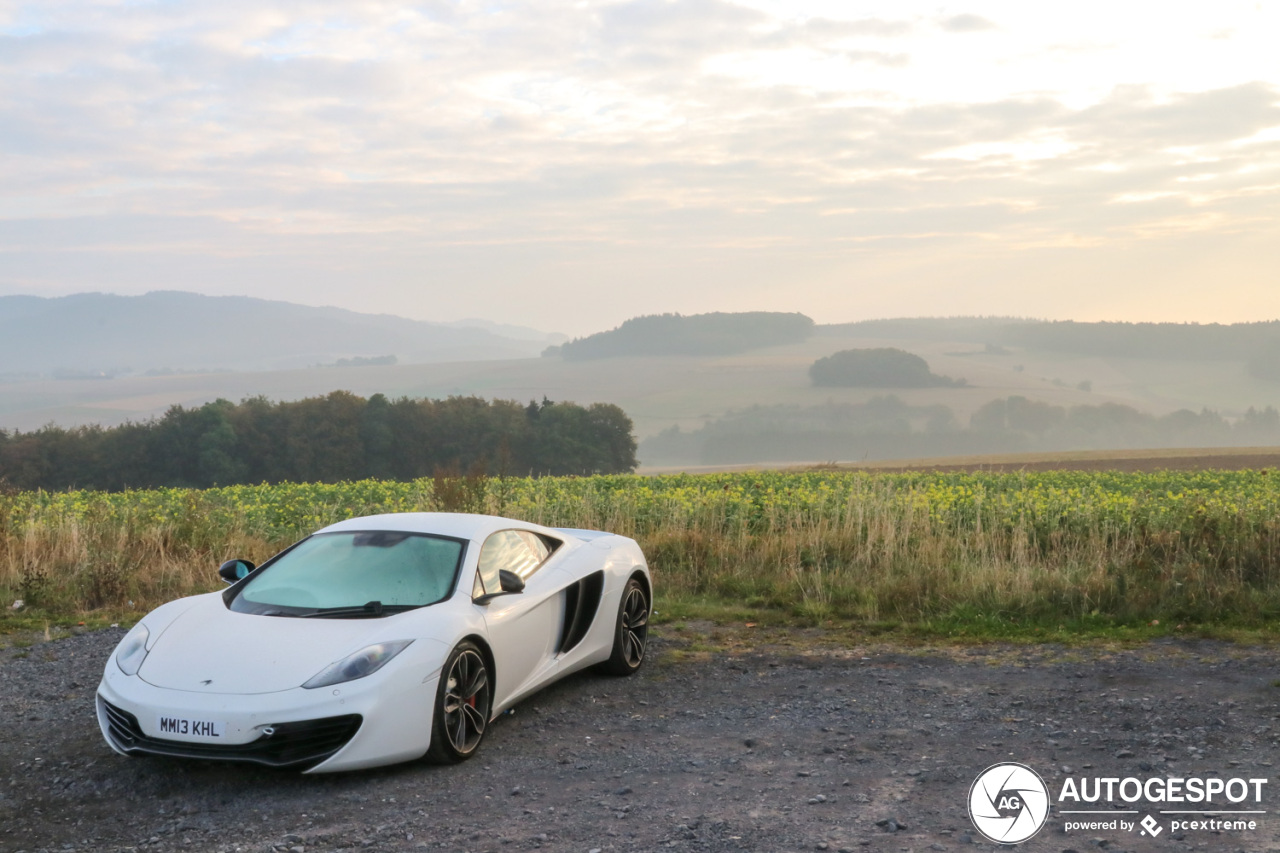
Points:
(882, 367)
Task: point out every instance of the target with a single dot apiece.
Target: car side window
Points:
(519, 551)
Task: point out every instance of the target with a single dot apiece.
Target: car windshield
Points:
(355, 574)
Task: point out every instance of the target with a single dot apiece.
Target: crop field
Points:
(935, 550)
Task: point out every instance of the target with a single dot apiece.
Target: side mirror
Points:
(233, 570)
(507, 582)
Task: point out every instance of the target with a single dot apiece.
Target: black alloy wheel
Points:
(632, 631)
(464, 701)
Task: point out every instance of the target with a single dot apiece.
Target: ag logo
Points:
(1008, 803)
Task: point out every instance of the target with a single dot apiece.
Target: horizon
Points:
(490, 321)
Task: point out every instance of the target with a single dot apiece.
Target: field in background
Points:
(1165, 459)
(661, 392)
(1160, 459)
(942, 551)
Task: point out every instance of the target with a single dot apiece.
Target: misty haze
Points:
(700, 390)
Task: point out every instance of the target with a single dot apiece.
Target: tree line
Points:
(337, 437)
(718, 333)
(888, 428)
(1257, 343)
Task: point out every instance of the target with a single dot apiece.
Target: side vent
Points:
(581, 602)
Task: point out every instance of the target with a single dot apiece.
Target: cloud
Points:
(879, 27)
(876, 57)
(967, 23)
(317, 141)
(1134, 115)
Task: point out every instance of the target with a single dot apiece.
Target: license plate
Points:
(191, 727)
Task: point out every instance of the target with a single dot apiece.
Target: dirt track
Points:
(864, 749)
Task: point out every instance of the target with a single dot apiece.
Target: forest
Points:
(886, 427)
(323, 439)
(698, 334)
(1256, 343)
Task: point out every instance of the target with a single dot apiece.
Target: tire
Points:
(631, 633)
(464, 702)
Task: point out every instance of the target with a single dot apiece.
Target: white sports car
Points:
(375, 640)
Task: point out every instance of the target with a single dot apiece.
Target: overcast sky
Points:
(567, 165)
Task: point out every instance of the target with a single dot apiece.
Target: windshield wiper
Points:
(372, 608)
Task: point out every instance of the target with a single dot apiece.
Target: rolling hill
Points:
(693, 391)
(98, 334)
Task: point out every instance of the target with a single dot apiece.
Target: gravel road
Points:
(764, 748)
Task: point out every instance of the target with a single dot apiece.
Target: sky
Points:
(567, 165)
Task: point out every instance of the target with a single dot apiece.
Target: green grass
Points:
(29, 628)
(747, 625)
(701, 624)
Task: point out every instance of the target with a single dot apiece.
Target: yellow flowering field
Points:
(1195, 547)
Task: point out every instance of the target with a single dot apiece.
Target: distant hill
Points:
(504, 330)
(1207, 341)
(92, 334)
(696, 334)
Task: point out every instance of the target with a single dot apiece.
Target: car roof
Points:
(457, 524)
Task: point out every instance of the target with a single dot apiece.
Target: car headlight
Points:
(367, 661)
(132, 650)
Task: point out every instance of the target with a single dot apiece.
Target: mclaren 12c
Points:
(376, 640)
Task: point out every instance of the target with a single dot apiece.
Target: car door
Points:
(523, 627)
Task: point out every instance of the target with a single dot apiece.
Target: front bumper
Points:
(298, 745)
(362, 723)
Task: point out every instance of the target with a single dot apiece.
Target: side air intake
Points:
(582, 602)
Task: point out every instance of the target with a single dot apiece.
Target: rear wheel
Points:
(632, 631)
(464, 701)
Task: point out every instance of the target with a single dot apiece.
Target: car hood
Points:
(210, 649)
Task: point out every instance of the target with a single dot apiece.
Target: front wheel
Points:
(464, 701)
(632, 631)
